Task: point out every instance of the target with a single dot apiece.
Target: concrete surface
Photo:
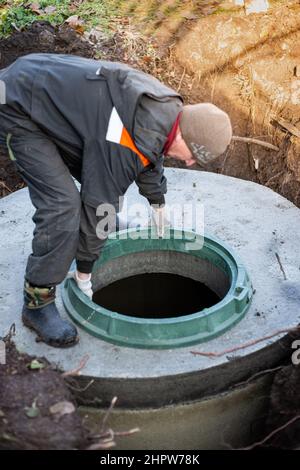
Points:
(252, 219)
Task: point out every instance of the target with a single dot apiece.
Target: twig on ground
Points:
(181, 80)
(111, 433)
(10, 334)
(106, 416)
(287, 125)
(16, 27)
(254, 376)
(273, 178)
(245, 345)
(281, 267)
(213, 88)
(273, 433)
(107, 439)
(5, 186)
(76, 371)
(102, 445)
(107, 436)
(251, 140)
(226, 157)
(127, 433)
(80, 390)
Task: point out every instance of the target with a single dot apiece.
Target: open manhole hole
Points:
(156, 295)
(161, 293)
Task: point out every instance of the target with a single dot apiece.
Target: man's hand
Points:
(159, 220)
(83, 281)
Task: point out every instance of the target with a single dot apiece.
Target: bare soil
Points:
(37, 410)
(249, 66)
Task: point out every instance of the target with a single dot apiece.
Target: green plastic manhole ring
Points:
(172, 332)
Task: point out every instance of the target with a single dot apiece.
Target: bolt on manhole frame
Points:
(172, 332)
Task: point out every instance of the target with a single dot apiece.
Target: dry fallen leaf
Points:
(62, 408)
(79, 29)
(75, 23)
(50, 9)
(147, 59)
(35, 7)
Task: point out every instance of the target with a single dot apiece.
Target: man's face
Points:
(180, 151)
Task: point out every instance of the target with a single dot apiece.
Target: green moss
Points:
(15, 17)
(17, 14)
(98, 13)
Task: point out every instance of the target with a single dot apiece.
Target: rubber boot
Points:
(41, 315)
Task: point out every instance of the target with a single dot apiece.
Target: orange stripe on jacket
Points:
(127, 141)
(118, 134)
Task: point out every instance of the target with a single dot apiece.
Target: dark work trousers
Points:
(55, 197)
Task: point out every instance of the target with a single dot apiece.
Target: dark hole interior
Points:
(156, 295)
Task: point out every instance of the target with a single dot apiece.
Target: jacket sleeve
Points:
(153, 122)
(90, 245)
(152, 183)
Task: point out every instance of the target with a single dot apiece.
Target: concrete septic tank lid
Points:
(133, 252)
(259, 225)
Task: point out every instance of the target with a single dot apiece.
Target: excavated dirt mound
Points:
(249, 65)
(37, 410)
(39, 37)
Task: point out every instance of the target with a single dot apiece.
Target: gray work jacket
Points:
(110, 121)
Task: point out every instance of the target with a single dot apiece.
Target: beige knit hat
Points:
(206, 130)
